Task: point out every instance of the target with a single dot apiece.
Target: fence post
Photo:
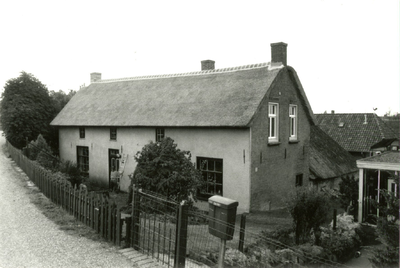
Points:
(92, 206)
(128, 221)
(85, 207)
(109, 222)
(242, 231)
(334, 219)
(181, 235)
(118, 226)
(135, 218)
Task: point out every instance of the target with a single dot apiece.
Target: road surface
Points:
(29, 239)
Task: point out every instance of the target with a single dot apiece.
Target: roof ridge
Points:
(205, 72)
(380, 124)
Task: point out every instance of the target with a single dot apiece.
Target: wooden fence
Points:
(90, 208)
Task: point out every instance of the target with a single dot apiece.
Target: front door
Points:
(113, 163)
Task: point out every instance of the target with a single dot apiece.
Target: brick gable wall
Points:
(274, 168)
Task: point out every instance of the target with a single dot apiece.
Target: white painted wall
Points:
(228, 144)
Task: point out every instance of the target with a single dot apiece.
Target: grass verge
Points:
(55, 213)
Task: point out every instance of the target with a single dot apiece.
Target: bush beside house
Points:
(165, 169)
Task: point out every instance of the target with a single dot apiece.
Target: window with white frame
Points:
(273, 115)
(292, 122)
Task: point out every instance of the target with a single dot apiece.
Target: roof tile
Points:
(359, 131)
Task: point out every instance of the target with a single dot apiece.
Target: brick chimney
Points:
(94, 77)
(207, 65)
(278, 53)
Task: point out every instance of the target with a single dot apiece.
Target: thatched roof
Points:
(327, 158)
(214, 98)
(355, 132)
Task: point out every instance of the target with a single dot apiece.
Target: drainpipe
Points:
(379, 187)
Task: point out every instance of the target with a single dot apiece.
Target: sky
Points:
(346, 53)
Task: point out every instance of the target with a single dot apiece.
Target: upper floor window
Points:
(273, 115)
(160, 134)
(82, 132)
(292, 122)
(113, 133)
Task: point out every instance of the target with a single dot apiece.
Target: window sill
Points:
(293, 141)
(273, 143)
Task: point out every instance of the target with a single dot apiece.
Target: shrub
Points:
(165, 169)
(35, 147)
(283, 234)
(345, 240)
(388, 231)
(74, 174)
(348, 189)
(309, 209)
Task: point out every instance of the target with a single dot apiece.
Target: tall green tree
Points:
(26, 110)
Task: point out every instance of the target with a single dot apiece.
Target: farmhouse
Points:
(249, 126)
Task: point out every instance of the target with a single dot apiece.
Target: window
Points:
(83, 159)
(211, 170)
(299, 180)
(113, 133)
(273, 122)
(82, 132)
(293, 122)
(160, 134)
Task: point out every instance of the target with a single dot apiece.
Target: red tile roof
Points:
(355, 132)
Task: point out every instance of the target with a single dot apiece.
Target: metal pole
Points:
(222, 254)
(379, 187)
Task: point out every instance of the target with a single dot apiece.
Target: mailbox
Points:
(222, 213)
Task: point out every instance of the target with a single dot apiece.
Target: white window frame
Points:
(273, 120)
(293, 122)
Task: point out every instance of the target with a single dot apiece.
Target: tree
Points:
(26, 110)
(165, 169)
(58, 100)
(348, 189)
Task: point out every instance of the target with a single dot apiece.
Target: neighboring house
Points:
(385, 145)
(393, 122)
(355, 132)
(376, 172)
(329, 162)
(247, 128)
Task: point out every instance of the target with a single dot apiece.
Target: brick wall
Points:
(274, 167)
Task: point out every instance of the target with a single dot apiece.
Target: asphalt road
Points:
(29, 239)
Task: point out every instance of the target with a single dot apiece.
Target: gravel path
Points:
(29, 239)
